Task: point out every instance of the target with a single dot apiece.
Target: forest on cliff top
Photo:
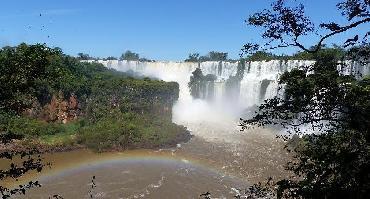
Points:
(50, 99)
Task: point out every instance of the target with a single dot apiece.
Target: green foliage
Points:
(233, 82)
(211, 56)
(130, 95)
(143, 59)
(335, 162)
(28, 127)
(130, 56)
(195, 83)
(261, 56)
(109, 133)
(201, 86)
(35, 72)
(217, 56)
(333, 165)
(32, 74)
(129, 130)
(21, 68)
(336, 51)
(83, 56)
(193, 57)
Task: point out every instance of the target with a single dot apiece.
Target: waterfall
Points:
(177, 71)
(260, 79)
(221, 102)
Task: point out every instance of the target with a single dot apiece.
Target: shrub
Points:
(109, 133)
(29, 127)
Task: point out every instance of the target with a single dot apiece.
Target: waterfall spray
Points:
(258, 82)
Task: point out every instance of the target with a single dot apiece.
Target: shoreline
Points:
(42, 148)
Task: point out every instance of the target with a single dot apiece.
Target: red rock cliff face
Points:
(62, 110)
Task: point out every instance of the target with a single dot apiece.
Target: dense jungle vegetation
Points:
(51, 99)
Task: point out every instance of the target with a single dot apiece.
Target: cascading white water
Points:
(252, 91)
(260, 82)
(174, 71)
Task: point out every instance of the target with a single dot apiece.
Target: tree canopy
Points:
(130, 56)
(286, 26)
(329, 111)
(211, 56)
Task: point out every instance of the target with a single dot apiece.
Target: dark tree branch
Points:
(286, 25)
(343, 29)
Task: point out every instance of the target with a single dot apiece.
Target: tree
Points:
(193, 57)
(83, 56)
(129, 56)
(337, 51)
(334, 162)
(202, 86)
(261, 56)
(286, 26)
(196, 83)
(232, 84)
(211, 56)
(204, 58)
(24, 66)
(217, 56)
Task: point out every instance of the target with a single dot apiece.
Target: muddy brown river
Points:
(185, 171)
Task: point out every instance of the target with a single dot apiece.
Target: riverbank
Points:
(42, 146)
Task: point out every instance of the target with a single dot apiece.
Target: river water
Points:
(132, 174)
(186, 171)
(219, 159)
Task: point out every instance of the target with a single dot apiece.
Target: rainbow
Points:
(66, 162)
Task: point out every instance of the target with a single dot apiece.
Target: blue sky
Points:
(156, 29)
